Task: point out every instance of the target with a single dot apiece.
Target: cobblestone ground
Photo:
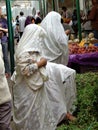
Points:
(10, 86)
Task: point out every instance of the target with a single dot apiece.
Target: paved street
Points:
(10, 86)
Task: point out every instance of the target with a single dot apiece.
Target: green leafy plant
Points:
(87, 103)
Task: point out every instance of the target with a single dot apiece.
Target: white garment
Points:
(55, 46)
(55, 97)
(33, 36)
(61, 88)
(32, 108)
(5, 94)
(22, 23)
(55, 49)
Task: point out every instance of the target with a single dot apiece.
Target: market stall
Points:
(84, 56)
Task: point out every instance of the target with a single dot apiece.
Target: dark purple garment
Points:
(3, 24)
(28, 20)
(5, 116)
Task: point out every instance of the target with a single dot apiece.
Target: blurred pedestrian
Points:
(75, 22)
(29, 20)
(5, 98)
(22, 19)
(93, 16)
(38, 18)
(4, 42)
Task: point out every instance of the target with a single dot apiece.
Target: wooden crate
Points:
(84, 68)
(88, 68)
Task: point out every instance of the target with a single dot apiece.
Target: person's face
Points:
(33, 21)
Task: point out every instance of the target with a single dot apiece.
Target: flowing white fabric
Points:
(61, 88)
(55, 46)
(55, 49)
(44, 108)
(32, 107)
(31, 33)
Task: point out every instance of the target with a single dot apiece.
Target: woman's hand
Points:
(42, 62)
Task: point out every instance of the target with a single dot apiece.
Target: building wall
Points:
(67, 3)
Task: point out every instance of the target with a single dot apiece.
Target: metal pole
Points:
(40, 7)
(53, 5)
(44, 7)
(78, 16)
(10, 34)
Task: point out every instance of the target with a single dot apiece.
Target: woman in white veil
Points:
(55, 46)
(61, 102)
(31, 106)
(55, 49)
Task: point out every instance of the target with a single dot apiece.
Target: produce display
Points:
(83, 55)
(78, 49)
(86, 45)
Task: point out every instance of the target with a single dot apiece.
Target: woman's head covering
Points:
(52, 23)
(37, 14)
(38, 18)
(56, 36)
(32, 37)
(29, 20)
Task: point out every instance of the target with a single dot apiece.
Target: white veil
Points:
(30, 40)
(57, 40)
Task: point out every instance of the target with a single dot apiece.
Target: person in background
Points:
(22, 19)
(16, 29)
(67, 27)
(64, 9)
(86, 26)
(4, 42)
(38, 18)
(5, 97)
(29, 20)
(93, 17)
(17, 19)
(75, 22)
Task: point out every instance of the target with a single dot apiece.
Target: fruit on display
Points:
(88, 44)
(76, 49)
